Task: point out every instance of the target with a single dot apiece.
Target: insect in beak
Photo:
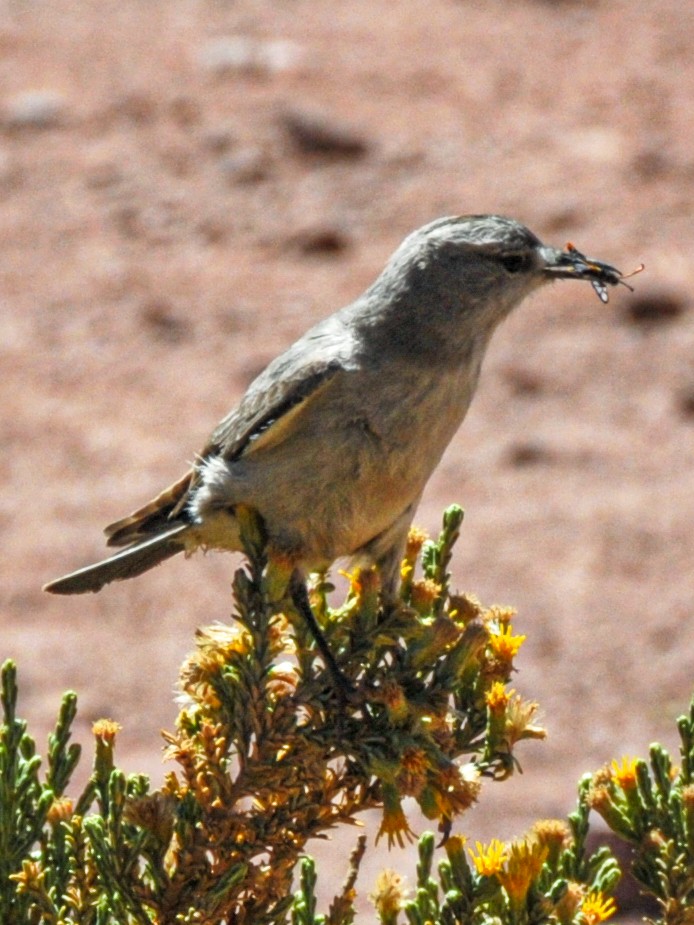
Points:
(572, 264)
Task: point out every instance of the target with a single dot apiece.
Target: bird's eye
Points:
(516, 263)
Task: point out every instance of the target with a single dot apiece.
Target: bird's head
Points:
(458, 277)
(498, 259)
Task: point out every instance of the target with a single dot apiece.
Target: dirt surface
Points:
(187, 185)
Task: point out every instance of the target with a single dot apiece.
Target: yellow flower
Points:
(354, 579)
(596, 908)
(489, 859)
(522, 867)
(31, 877)
(624, 773)
(504, 644)
(497, 697)
(364, 585)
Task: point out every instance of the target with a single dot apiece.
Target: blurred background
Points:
(186, 185)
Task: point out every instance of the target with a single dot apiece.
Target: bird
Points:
(333, 443)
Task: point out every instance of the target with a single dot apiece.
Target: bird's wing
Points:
(261, 419)
(158, 514)
(288, 382)
(265, 412)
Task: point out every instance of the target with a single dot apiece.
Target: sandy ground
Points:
(186, 185)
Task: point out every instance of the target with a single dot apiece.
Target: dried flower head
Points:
(394, 824)
(554, 834)
(416, 538)
(388, 895)
(520, 720)
(392, 696)
(457, 789)
(106, 730)
(423, 594)
(154, 812)
(218, 642)
(599, 798)
(464, 608)
(370, 581)
(570, 903)
(500, 615)
(415, 768)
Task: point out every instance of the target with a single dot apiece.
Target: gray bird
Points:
(334, 442)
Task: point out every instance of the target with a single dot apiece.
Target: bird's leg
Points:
(299, 596)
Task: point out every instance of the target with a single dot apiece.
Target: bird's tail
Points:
(128, 563)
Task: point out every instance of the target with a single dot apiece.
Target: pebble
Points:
(185, 111)
(248, 165)
(321, 241)
(238, 54)
(686, 403)
(524, 382)
(138, 107)
(316, 133)
(34, 109)
(163, 323)
(655, 306)
(10, 171)
(219, 140)
(652, 162)
(102, 174)
(529, 453)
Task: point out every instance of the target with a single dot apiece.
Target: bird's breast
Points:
(347, 464)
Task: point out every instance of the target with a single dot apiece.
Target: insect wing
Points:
(601, 290)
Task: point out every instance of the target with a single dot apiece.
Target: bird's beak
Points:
(570, 263)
